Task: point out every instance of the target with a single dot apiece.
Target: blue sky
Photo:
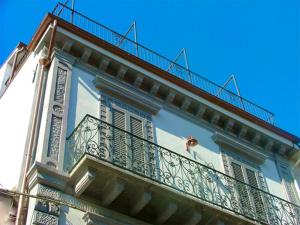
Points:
(258, 41)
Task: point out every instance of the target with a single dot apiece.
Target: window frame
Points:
(128, 114)
(245, 163)
(244, 166)
(106, 107)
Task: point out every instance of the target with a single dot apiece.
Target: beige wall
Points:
(5, 208)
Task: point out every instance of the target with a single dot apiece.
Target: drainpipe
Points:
(44, 62)
(14, 64)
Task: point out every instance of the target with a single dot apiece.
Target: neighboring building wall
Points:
(6, 206)
(15, 112)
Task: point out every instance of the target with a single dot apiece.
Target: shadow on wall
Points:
(82, 93)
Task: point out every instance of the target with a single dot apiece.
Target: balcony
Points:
(115, 154)
(169, 67)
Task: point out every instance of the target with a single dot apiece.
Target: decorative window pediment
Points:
(240, 147)
(127, 93)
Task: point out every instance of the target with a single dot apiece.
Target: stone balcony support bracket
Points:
(167, 211)
(84, 182)
(194, 218)
(139, 201)
(112, 190)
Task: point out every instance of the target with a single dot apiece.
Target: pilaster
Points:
(56, 105)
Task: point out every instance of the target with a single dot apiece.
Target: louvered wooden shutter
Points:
(257, 198)
(138, 150)
(237, 172)
(288, 181)
(241, 188)
(119, 145)
(251, 178)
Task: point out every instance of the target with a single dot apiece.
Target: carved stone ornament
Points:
(58, 109)
(60, 85)
(40, 218)
(47, 207)
(56, 117)
(47, 192)
(54, 139)
(53, 208)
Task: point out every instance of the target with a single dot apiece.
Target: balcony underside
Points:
(140, 197)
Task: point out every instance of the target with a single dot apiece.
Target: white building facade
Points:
(109, 133)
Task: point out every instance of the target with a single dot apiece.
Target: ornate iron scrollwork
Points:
(109, 143)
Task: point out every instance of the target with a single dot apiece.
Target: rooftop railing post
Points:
(72, 14)
(135, 38)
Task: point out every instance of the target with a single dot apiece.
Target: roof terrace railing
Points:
(163, 63)
(125, 150)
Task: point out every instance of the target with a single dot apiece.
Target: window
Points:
(128, 146)
(288, 181)
(289, 185)
(248, 197)
(129, 149)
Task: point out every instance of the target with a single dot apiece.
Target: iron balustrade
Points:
(150, 56)
(106, 142)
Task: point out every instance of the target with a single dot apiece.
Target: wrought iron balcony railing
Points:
(148, 55)
(122, 149)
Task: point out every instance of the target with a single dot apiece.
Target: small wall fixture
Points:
(191, 142)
